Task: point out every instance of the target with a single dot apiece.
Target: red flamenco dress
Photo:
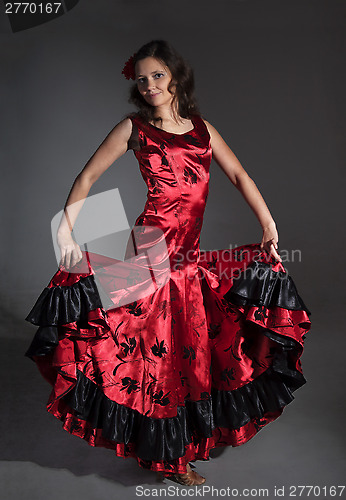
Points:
(202, 352)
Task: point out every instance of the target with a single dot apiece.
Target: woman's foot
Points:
(190, 478)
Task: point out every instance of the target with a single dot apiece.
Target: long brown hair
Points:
(182, 76)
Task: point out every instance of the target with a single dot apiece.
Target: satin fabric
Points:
(192, 349)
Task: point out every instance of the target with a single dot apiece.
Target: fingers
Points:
(76, 256)
(271, 248)
(70, 258)
(62, 259)
(274, 253)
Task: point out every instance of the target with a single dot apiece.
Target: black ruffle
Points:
(45, 340)
(259, 285)
(165, 439)
(59, 305)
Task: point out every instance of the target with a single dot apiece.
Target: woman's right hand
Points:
(69, 249)
(270, 240)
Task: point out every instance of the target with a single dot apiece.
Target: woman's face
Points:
(152, 79)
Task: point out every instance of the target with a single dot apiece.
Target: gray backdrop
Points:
(270, 76)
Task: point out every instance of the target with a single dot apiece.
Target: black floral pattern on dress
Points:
(190, 176)
(214, 330)
(129, 345)
(226, 306)
(259, 423)
(199, 326)
(116, 334)
(159, 349)
(237, 358)
(143, 141)
(160, 398)
(263, 363)
(260, 314)
(155, 185)
(228, 374)
(163, 309)
(88, 363)
(122, 362)
(130, 384)
(212, 264)
(152, 383)
(189, 353)
(134, 308)
(193, 140)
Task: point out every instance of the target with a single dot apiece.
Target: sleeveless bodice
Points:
(175, 168)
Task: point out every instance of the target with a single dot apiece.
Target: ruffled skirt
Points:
(203, 361)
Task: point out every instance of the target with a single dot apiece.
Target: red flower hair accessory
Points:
(129, 68)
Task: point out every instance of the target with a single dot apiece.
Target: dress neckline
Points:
(173, 133)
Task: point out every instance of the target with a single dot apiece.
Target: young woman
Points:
(209, 357)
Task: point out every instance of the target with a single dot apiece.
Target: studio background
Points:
(270, 76)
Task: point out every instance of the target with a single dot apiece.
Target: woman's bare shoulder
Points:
(212, 130)
(215, 135)
(218, 143)
(122, 130)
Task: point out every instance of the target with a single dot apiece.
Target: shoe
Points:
(190, 478)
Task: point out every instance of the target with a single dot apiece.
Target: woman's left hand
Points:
(270, 240)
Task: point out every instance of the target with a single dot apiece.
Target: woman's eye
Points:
(141, 80)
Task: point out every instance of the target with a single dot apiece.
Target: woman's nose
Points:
(150, 84)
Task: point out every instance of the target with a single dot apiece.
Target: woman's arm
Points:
(230, 164)
(113, 146)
